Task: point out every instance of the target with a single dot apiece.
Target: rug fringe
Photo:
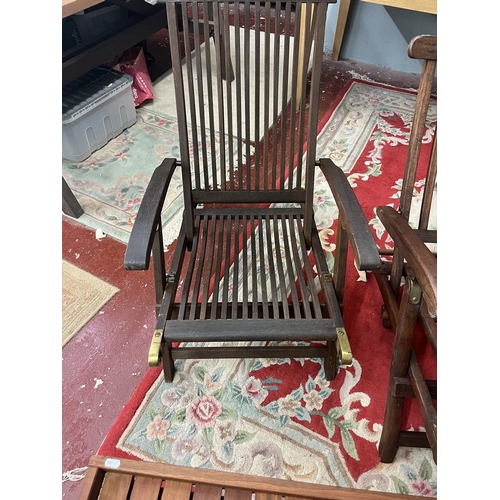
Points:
(74, 475)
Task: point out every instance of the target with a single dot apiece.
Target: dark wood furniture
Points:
(123, 479)
(413, 261)
(143, 20)
(245, 258)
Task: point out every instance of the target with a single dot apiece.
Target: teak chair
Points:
(248, 275)
(417, 264)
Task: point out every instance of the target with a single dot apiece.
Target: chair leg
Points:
(402, 348)
(168, 363)
(392, 424)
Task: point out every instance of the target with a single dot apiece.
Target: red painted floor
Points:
(105, 361)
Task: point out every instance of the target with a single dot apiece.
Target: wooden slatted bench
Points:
(110, 478)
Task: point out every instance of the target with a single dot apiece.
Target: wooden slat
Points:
(91, 486)
(246, 69)
(218, 265)
(190, 271)
(308, 269)
(263, 275)
(306, 17)
(275, 109)
(146, 488)
(257, 158)
(116, 486)
(271, 249)
(284, 102)
(203, 229)
(264, 351)
(200, 101)
(176, 490)
(221, 98)
(244, 253)
(267, 496)
(279, 264)
(298, 40)
(430, 180)
(238, 72)
(298, 262)
(208, 268)
(290, 269)
(207, 492)
(236, 494)
(269, 196)
(247, 330)
(227, 266)
(190, 82)
(267, 77)
(254, 270)
(229, 95)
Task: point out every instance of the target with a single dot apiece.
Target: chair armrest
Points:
(138, 252)
(363, 244)
(420, 259)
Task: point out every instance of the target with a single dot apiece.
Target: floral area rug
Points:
(280, 417)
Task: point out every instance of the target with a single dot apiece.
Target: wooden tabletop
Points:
(69, 7)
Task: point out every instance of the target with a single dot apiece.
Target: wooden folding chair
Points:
(413, 262)
(249, 276)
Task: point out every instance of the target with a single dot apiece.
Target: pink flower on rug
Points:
(422, 487)
(253, 389)
(203, 411)
(184, 447)
(157, 429)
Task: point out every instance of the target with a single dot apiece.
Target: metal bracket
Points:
(343, 347)
(415, 291)
(154, 356)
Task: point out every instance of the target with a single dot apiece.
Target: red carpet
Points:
(289, 407)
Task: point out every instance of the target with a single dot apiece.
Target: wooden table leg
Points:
(339, 31)
(70, 205)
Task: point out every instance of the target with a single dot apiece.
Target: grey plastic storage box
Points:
(96, 107)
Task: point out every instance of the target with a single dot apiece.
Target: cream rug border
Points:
(83, 295)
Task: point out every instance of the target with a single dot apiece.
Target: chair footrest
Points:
(236, 330)
(266, 351)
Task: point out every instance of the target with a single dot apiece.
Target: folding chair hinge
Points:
(154, 356)
(415, 291)
(170, 277)
(343, 347)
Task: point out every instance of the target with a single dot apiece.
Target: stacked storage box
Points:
(96, 107)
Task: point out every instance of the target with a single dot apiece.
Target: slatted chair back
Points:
(234, 147)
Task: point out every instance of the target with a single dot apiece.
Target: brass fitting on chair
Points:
(154, 356)
(415, 291)
(343, 347)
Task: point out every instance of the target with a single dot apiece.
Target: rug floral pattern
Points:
(280, 417)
